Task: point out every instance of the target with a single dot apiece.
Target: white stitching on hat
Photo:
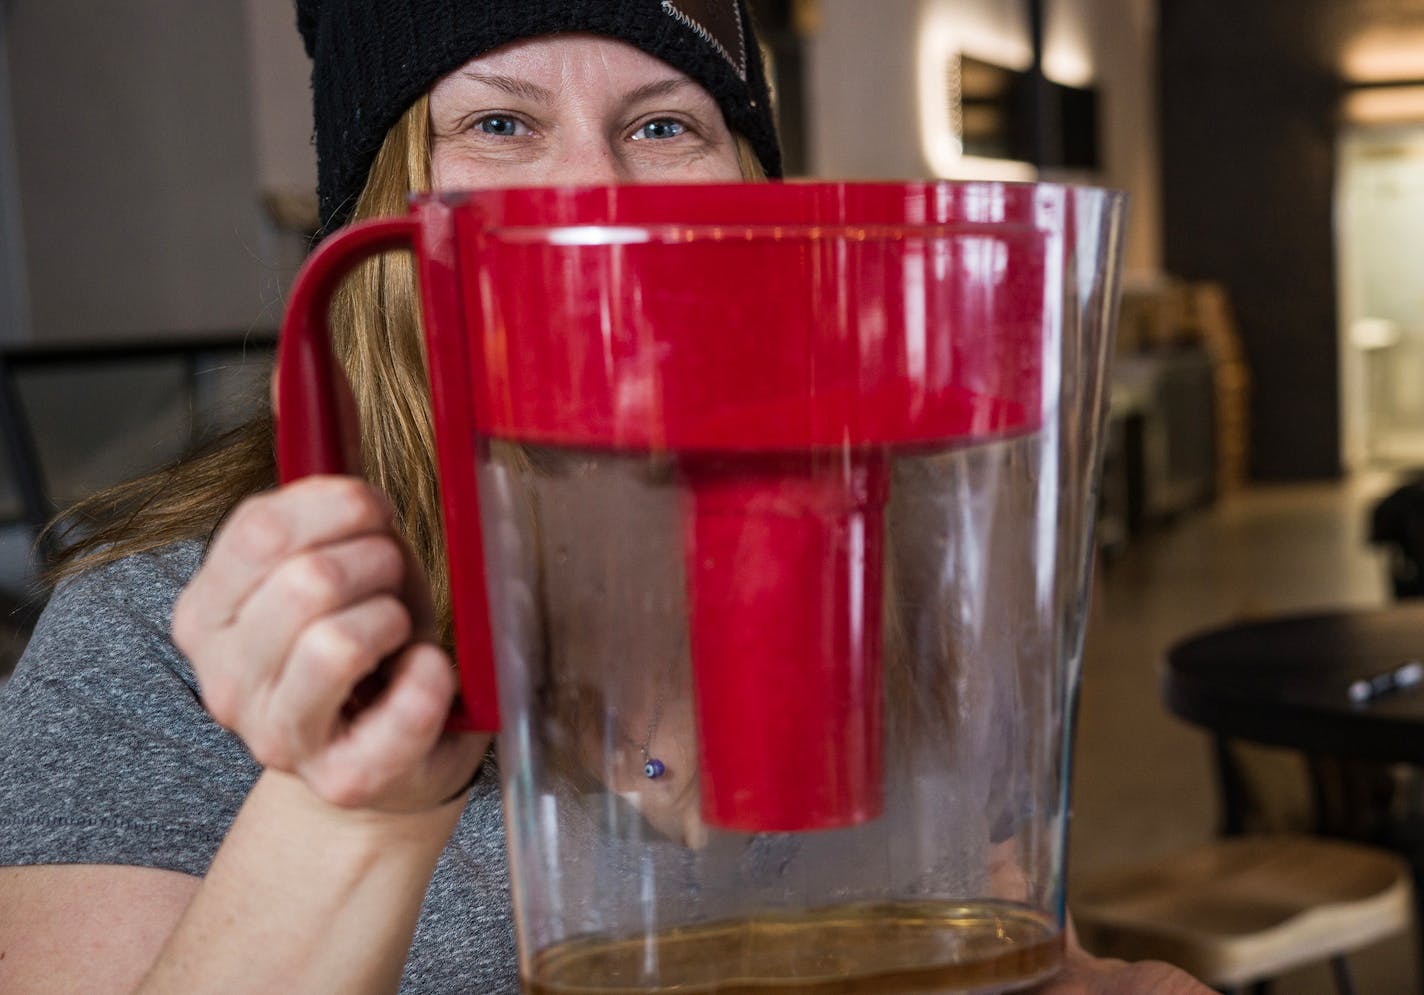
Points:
(739, 64)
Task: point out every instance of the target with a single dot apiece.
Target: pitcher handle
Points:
(315, 434)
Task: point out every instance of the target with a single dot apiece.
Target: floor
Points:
(1267, 550)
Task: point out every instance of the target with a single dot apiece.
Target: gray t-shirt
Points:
(107, 756)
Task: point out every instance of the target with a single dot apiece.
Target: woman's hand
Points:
(1085, 975)
(309, 627)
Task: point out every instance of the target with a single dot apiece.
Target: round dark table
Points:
(1284, 681)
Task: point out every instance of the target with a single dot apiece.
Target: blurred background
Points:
(156, 196)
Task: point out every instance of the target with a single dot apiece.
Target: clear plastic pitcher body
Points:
(786, 675)
(956, 878)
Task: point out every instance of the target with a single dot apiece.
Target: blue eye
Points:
(660, 129)
(501, 125)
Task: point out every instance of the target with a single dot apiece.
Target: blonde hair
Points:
(376, 335)
(377, 338)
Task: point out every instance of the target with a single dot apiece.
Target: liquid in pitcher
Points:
(884, 948)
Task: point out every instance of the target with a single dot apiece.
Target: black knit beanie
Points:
(371, 59)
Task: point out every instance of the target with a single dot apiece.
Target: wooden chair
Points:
(1242, 910)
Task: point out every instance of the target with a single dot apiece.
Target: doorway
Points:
(1379, 236)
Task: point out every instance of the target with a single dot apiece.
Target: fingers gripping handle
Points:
(315, 429)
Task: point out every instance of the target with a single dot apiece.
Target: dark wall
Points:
(1249, 103)
(136, 167)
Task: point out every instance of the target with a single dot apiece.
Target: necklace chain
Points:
(652, 767)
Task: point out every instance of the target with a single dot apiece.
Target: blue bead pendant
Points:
(654, 769)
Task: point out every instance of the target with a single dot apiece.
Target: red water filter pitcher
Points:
(764, 490)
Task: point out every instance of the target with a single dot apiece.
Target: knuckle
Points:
(260, 529)
(393, 620)
(389, 561)
(356, 504)
(402, 622)
(315, 582)
(334, 653)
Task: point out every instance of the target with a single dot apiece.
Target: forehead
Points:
(572, 58)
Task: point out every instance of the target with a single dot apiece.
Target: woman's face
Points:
(575, 109)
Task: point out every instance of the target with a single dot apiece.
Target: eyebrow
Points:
(660, 88)
(512, 85)
(516, 87)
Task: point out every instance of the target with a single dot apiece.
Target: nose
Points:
(590, 157)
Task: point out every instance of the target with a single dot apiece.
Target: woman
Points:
(321, 847)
